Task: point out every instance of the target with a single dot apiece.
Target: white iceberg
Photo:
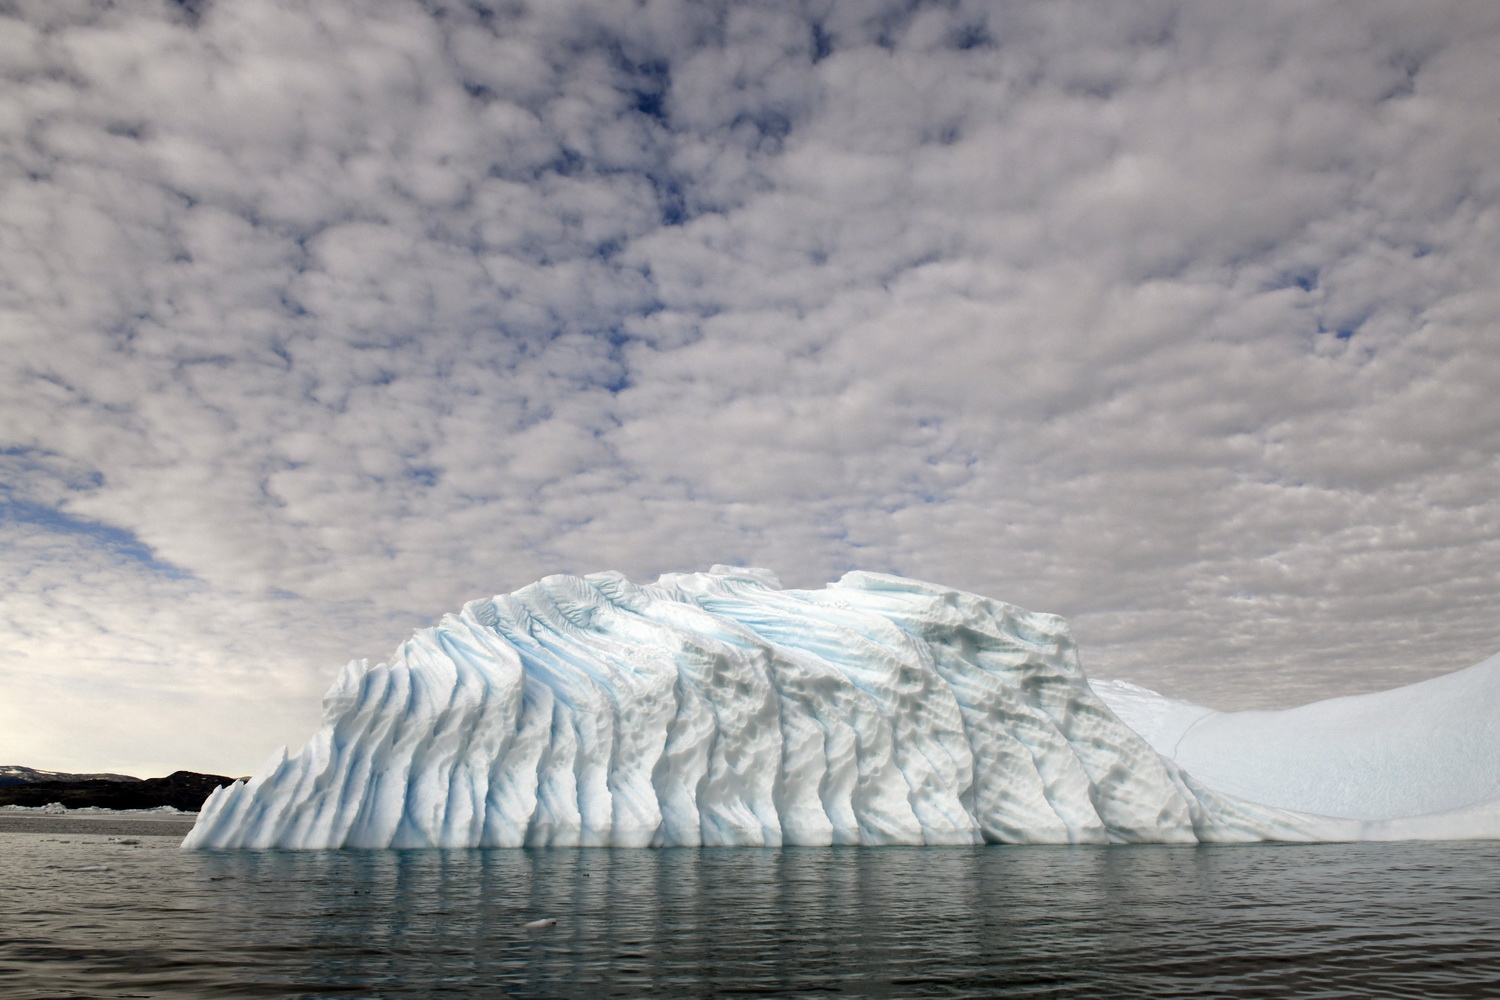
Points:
(720, 709)
(1419, 762)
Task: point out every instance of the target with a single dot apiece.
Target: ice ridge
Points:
(720, 709)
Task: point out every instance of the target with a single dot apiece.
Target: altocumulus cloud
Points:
(322, 317)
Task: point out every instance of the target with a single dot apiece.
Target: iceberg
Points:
(720, 709)
(1420, 761)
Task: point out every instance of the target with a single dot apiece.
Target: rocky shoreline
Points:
(184, 790)
(102, 804)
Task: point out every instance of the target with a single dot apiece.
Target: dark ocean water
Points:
(85, 916)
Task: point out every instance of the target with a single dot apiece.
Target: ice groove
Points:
(718, 709)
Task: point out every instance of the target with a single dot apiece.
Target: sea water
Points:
(89, 916)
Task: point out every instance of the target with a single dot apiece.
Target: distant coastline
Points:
(182, 790)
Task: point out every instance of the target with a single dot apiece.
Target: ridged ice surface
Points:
(720, 709)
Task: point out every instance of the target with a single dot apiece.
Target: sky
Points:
(319, 318)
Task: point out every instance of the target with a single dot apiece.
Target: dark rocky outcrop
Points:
(184, 790)
(14, 774)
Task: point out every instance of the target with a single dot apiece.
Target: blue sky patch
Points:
(118, 541)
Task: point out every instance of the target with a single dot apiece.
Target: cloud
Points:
(321, 319)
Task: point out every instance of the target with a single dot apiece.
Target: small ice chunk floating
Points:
(719, 709)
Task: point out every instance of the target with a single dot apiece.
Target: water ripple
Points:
(96, 918)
